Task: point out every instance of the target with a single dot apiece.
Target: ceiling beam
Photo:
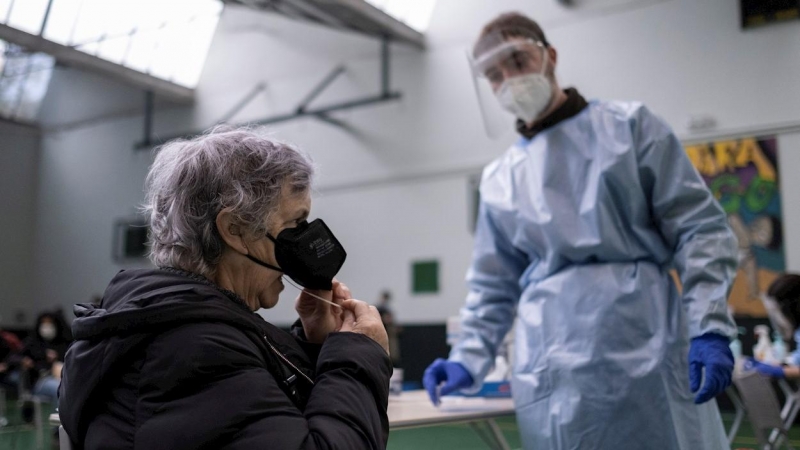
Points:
(72, 57)
(398, 30)
(355, 15)
(316, 13)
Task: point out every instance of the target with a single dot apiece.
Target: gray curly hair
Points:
(191, 181)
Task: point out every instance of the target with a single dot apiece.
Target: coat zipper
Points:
(286, 360)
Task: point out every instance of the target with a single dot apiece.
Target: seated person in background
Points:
(43, 355)
(392, 329)
(175, 357)
(10, 347)
(785, 290)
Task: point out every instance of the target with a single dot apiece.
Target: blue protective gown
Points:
(577, 230)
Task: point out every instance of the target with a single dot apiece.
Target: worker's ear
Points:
(231, 231)
(552, 54)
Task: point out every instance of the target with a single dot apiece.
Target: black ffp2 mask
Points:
(310, 254)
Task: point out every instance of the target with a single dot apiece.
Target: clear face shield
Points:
(777, 318)
(510, 79)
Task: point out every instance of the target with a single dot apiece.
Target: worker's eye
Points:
(522, 59)
(494, 76)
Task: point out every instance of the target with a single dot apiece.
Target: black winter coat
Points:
(171, 361)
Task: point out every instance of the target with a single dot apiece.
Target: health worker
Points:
(580, 222)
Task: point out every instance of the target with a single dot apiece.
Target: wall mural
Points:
(743, 175)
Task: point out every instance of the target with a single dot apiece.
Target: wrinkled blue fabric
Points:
(577, 231)
(710, 358)
(765, 369)
(454, 376)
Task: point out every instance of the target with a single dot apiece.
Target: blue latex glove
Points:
(453, 374)
(766, 369)
(712, 352)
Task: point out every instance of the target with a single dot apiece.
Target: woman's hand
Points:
(365, 319)
(319, 318)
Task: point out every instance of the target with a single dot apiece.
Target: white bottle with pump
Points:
(736, 349)
(763, 348)
(778, 348)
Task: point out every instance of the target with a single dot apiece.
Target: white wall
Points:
(90, 176)
(681, 57)
(77, 97)
(19, 153)
(789, 160)
(87, 180)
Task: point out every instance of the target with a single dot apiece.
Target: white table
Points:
(413, 409)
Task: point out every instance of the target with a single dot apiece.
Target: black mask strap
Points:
(262, 263)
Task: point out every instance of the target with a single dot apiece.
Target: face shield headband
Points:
(511, 58)
(778, 317)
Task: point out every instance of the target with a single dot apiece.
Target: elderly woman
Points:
(176, 358)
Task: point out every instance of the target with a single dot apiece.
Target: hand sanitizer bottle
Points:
(778, 348)
(763, 348)
(736, 349)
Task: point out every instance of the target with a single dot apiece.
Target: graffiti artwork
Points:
(743, 175)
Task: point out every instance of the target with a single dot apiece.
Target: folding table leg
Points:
(498, 435)
(494, 438)
(740, 413)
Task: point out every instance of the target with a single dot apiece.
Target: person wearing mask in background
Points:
(785, 290)
(43, 355)
(579, 225)
(175, 357)
(10, 347)
(392, 329)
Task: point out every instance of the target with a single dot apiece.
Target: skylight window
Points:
(168, 39)
(27, 15)
(24, 78)
(414, 13)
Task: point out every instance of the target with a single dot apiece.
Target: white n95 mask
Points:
(525, 96)
(47, 331)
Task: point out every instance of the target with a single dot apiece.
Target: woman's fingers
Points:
(348, 320)
(364, 319)
(358, 307)
(340, 291)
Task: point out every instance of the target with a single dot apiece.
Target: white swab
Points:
(309, 293)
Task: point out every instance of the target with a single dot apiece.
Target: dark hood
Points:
(137, 305)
